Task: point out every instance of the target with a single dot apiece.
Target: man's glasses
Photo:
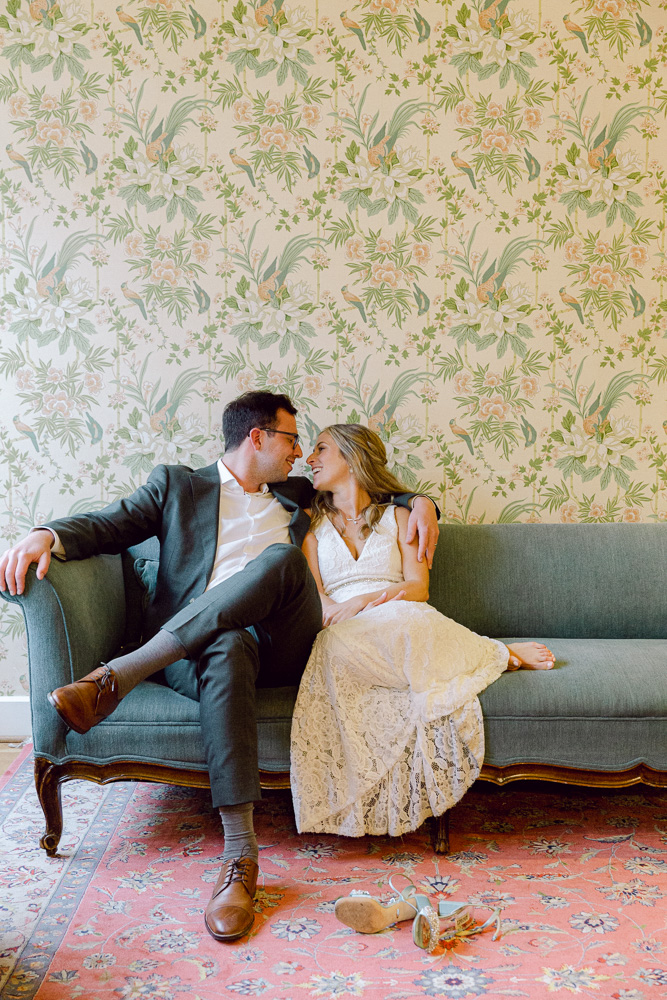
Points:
(289, 434)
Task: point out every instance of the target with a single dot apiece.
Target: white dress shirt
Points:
(247, 524)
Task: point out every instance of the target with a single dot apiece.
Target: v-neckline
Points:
(346, 546)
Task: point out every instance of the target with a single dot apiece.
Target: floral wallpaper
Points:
(443, 219)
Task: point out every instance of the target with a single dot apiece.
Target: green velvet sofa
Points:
(596, 594)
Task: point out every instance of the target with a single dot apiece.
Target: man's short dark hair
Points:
(252, 409)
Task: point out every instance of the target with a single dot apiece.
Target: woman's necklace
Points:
(350, 520)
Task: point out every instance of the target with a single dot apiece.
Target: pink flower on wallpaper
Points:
(496, 138)
(310, 114)
(385, 272)
(532, 118)
(274, 135)
(465, 114)
(494, 406)
(52, 131)
(88, 110)
(603, 274)
(166, 270)
(354, 248)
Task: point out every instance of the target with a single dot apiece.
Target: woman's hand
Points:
(335, 613)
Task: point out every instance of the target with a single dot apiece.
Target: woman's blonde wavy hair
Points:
(366, 456)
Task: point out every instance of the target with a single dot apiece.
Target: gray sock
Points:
(239, 832)
(163, 649)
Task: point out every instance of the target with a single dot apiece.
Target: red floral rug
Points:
(580, 877)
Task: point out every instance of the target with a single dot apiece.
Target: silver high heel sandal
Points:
(427, 928)
(367, 915)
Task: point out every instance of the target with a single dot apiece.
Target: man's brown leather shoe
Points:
(84, 703)
(230, 913)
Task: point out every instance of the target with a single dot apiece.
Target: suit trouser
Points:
(253, 630)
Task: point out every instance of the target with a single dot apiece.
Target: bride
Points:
(387, 728)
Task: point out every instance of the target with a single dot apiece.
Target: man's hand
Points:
(423, 521)
(34, 548)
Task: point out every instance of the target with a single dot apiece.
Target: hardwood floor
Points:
(8, 753)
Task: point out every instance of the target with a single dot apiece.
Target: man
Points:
(235, 606)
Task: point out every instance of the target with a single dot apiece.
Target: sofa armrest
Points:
(74, 618)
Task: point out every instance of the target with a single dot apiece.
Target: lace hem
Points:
(437, 765)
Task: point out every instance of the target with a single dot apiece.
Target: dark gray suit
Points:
(255, 628)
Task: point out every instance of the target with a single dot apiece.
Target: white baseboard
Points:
(15, 717)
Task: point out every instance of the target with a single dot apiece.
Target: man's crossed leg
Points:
(253, 629)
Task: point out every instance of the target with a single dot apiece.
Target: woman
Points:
(387, 728)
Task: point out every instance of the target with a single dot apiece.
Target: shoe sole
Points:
(368, 916)
(68, 723)
(229, 937)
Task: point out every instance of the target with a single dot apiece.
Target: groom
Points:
(235, 606)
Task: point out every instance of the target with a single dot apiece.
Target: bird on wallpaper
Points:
(312, 163)
(422, 26)
(134, 298)
(354, 28)
(422, 300)
(41, 9)
(48, 282)
(94, 429)
(529, 432)
(197, 21)
(238, 161)
(637, 301)
(575, 30)
(596, 418)
(377, 152)
(573, 303)
(89, 159)
(664, 426)
(486, 289)
(267, 286)
(492, 14)
(131, 22)
(645, 32)
(461, 433)
(355, 301)
(19, 159)
(532, 164)
(26, 431)
(465, 168)
(202, 298)
(263, 14)
(154, 147)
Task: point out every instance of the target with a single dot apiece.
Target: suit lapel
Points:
(205, 485)
(300, 522)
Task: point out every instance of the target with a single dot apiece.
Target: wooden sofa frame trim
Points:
(49, 777)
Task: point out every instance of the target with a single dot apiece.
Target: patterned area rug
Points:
(581, 879)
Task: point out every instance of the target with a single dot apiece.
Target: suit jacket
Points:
(180, 506)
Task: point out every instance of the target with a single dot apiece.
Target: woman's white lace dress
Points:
(387, 728)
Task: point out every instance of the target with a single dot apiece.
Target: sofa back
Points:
(554, 580)
(597, 581)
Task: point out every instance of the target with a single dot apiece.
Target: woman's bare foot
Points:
(530, 656)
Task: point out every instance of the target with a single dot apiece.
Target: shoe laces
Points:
(237, 870)
(106, 679)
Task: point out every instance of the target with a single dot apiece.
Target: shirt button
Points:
(191, 601)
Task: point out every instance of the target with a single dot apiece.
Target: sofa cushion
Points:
(603, 707)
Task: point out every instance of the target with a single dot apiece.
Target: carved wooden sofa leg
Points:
(440, 833)
(47, 784)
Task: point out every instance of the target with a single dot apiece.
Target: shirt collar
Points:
(229, 480)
